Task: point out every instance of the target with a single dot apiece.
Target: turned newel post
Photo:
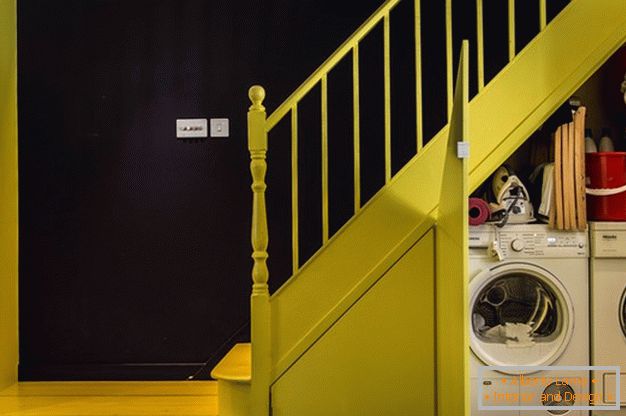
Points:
(257, 145)
(259, 301)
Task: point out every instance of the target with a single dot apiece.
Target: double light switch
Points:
(201, 127)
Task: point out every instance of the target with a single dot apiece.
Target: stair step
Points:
(233, 374)
(236, 365)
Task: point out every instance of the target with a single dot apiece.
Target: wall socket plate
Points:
(219, 127)
(191, 127)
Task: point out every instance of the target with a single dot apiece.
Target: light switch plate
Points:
(462, 150)
(191, 127)
(219, 127)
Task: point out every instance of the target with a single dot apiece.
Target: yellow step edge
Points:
(236, 365)
(110, 388)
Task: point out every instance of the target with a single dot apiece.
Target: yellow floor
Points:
(193, 398)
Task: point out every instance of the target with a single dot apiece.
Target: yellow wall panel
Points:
(8, 193)
(378, 359)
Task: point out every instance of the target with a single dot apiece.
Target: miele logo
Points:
(609, 237)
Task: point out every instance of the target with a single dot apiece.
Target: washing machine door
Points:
(622, 313)
(521, 315)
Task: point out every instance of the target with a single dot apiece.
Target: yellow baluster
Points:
(511, 30)
(357, 127)
(480, 48)
(418, 75)
(324, 110)
(387, 71)
(295, 250)
(542, 14)
(259, 301)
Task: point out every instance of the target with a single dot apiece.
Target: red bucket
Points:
(606, 186)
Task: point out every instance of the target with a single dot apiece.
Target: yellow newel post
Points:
(260, 300)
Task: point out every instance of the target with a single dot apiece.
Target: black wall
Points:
(134, 246)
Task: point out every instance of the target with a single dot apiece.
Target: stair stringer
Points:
(503, 115)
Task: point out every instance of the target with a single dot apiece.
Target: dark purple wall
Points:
(134, 246)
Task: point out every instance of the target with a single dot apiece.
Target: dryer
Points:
(529, 297)
(608, 310)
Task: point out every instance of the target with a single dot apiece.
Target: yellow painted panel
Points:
(8, 194)
(351, 297)
(451, 260)
(383, 347)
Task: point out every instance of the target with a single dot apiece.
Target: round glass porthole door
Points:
(521, 315)
(622, 313)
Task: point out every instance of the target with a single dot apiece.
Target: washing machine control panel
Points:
(541, 244)
(534, 240)
(608, 243)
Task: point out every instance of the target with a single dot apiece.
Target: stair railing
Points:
(259, 125)
(320, 77)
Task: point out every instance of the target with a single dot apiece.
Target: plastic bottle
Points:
(590, 144)
(606, 144)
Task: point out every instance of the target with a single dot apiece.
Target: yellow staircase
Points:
(375, 322)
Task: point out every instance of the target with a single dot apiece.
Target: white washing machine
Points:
(529, 299)
(608, 310)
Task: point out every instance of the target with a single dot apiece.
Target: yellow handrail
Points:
(330, 63)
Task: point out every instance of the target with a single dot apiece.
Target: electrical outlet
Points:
(191, 127)
(219, 127)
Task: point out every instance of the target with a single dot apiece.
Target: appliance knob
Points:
(517, 245)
